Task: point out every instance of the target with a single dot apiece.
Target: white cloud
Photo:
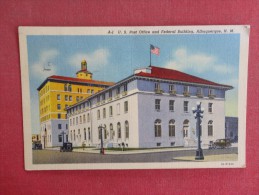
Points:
(197, 62)
(95, 60)
(45, 62)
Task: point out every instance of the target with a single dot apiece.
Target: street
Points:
(56, 157)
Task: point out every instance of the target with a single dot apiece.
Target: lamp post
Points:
(101, 135)
(198, 114)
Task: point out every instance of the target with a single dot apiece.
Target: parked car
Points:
(67, 147)
(220, 143)
(36, 146)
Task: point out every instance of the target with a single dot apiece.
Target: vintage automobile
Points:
(36, 146)
(67, 147)
(220, 143)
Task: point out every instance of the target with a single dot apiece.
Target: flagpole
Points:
(150, 55)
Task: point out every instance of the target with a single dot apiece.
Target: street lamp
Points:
(101, 135)
(198, 114)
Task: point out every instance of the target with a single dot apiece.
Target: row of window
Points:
(185, 105)
(44, 90)
(186, 90)
(102, 132)
(86, 134)
(68, 87)
(84, 118)
(171, 128)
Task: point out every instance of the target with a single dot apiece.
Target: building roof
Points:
(74, 80)
(170, 74)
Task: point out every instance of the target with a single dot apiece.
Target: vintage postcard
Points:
(153, 97)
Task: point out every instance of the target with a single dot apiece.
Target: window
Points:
(65, 87)
(118, 109)
(88, 91)
(80, 119)
(59, 138)
(59, 126)
(66, 126)
(103, 96)
(125, 87)
(185, 128)
(77, 120)
(118, 91)
(70, 122)
(88, 117)
(186, 89)
(74, 135)
(157, 104)
(84, 134)
(126, 129)
(111, 131)
(171, 105)
(110, 110)
(210, 107)
(70, 98)
(59, 116)
(199, 91)
(185, 106)
(157, 86)
(92, 91)
(171, 88)
(158, 128)
(69, 88)
(58, 96)
(210, 128)
(98, 114)
(126, 106)
(73, 121)
(84, 118)
(158, 144)
(104, 113)
(211, 92)
(89, 133)
(172, 128)
(119, 130)
(59, 107)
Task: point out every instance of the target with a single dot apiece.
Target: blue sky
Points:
(112, 58)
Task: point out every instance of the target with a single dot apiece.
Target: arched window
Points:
(158, 128)
(69, 88)
(185, 128)
(65, 87)
(119, 130)
(210, 128)
(172, 128)
(105, 131)
(126, 129)
(111, 131)
(84, 133)
(74, 135)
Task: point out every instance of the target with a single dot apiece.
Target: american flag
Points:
(154, 50)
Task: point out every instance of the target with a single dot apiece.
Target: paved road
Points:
(56, 157)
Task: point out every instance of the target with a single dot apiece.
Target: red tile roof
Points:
(56, 77)
(170, 74)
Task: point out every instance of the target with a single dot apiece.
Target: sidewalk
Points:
(115, 152)
(218, 157)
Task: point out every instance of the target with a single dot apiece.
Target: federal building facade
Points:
(58, 92)
(151, 108)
